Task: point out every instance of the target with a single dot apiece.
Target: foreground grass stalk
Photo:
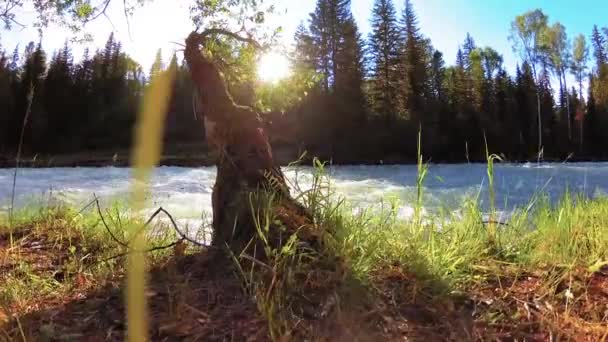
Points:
(148, 146)
(420, 177)
(30, 99)
(491, 158)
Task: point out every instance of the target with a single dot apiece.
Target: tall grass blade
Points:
(148, 146)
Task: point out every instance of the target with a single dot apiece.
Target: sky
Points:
(445, 22)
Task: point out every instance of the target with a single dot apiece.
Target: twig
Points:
(179, 232)
(85, 207)
(110, 21)
(183, 237)
(9, 17)
(173, 244)
(124, 7)
(177, 43)
(105, 224)
(256, 261)
(203, 36)
(102, 12)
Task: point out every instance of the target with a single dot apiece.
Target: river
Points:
(186, 192)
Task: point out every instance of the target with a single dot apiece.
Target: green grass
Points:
(560, 245)
(574, 233)
(445, 253)
(57, 247)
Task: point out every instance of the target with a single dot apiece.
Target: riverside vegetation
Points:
(448, 276)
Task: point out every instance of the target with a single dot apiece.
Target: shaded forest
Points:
(350, 98)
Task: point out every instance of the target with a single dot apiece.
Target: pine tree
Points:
(32, 77)
(59, 104)
(304, 50)
(437, 77)
(600, 89)
(594, 130)
(6, 98)
(157, 65)
(384, 51)
(467, 48)
(413, 67)
(599, 48)
(349, 77)
(506, 126)
(462, 94)
(526, 100)
(327, 25)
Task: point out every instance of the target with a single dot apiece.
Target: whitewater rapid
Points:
(186, 192)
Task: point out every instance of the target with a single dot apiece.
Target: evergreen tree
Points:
(349, 78)
(506, 127)
(599, 48)
(600, 89)
(6, 98)
(384, 51)
(467, 48)
(526, 100)
(157, 65)
(59, 86)
(594, 131)
(437, 77)
(413, 67)
(304, 51)
(32, 77)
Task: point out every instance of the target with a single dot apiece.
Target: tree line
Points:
(91, 105)
(389, 86)
(349, 98)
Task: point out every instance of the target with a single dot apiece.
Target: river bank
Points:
(199, 155)
(63, 278)
(201, 158)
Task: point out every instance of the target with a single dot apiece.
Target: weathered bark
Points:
(245, 164)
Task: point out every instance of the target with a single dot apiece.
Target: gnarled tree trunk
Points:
(245, 164)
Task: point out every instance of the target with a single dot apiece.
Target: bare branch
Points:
(124, 7)
(102, 12)
(203, 36)
(7, 16)
(154, 249)
(105, 224)
(179, 232)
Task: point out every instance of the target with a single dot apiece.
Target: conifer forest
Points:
(350, 98)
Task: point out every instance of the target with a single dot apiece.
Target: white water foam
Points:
(186, 192)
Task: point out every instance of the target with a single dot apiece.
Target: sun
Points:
(273, 67)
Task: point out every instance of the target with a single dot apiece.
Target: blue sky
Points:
(446, 22)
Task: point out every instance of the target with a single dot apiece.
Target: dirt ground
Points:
(200, 297)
